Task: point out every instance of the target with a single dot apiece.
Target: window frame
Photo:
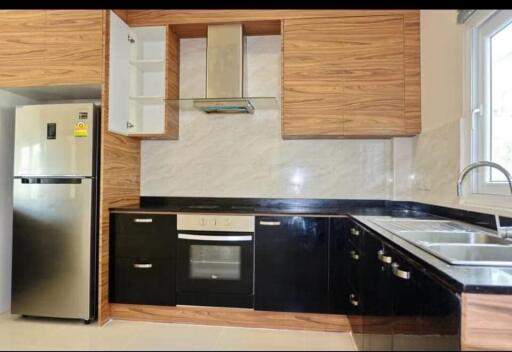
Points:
(475, 122)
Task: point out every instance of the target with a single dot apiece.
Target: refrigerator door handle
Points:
(52, 180)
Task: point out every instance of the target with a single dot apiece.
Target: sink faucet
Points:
(503, 231)
(478, 164)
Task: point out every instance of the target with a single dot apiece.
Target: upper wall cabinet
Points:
(138, 82)
(351, 77)
(50, 47)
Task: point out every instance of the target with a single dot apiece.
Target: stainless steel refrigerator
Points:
(55, 211)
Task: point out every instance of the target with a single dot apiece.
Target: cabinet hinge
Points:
(130, 39)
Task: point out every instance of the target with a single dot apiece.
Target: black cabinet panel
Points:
(143, 282)
(377, 295)
(144, 236)
(291, 264)
(143, 259)
(407, 305)
(339, 263)
(402, 306)
(441, 313)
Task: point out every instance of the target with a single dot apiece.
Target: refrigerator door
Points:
(54, 139)
(52, 247)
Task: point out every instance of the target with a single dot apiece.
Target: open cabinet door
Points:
(119, 78)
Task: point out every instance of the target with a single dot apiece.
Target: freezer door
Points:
(52, 248)
(54, 139)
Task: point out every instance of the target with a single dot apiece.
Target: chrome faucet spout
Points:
(478, 164)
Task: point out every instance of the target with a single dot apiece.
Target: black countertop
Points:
(471, 279)
(465, 278)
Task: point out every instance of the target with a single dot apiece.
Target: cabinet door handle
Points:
(143, 221)
(384, 258)
(354, 255)
(354, 231)
(353, 300)
(270, 223)
(142, 266)
(402, 274)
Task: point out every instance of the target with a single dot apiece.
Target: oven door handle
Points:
(186, 236)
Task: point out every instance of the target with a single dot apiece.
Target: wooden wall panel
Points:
(486, 322)
(199, 30)
(119, 179)
(172, 84)
(164, 17)
(231, 317)
(22, 47)
(412, 74)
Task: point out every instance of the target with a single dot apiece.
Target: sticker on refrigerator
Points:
(80, 129)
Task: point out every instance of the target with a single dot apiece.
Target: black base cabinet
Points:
(143, 259)
(291, 264)
(143, 282)
(403, 307)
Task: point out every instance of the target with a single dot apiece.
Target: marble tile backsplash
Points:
(244, 155)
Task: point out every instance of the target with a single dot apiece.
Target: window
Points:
(491, 86)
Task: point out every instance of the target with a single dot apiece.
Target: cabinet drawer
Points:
(144, 282)
(144, 236)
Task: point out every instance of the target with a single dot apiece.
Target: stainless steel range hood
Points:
(224, 75)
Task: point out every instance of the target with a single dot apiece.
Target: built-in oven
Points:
(215, 260)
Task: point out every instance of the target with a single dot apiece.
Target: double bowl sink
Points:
(453, 242)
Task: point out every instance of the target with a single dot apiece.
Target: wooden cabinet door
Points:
(312, 92)
(74, 46)
(22, 47)
(351, 77)
(373, 75)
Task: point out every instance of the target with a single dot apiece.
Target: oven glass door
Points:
(215, 262)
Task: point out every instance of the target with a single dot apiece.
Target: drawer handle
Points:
(353, 300)
(354, 231)
(384, 258)
(143, 221)
(354, 255)
(270, 223)
(402, 274)
(142, 266)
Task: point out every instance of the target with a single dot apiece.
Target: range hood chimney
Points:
(224, 72)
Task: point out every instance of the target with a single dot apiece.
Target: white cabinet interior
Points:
(137, 79)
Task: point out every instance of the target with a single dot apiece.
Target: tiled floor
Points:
(18, 333)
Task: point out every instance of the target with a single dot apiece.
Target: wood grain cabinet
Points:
(351, 76)
(50, 47)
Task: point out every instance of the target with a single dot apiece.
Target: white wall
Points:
(436, 152)
(245, 156)
(8, 101)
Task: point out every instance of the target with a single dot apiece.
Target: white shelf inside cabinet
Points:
(148, 99)
(149, 65)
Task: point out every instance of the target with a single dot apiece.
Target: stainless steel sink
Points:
(467, 254)
(461, 237)
(454, 242)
